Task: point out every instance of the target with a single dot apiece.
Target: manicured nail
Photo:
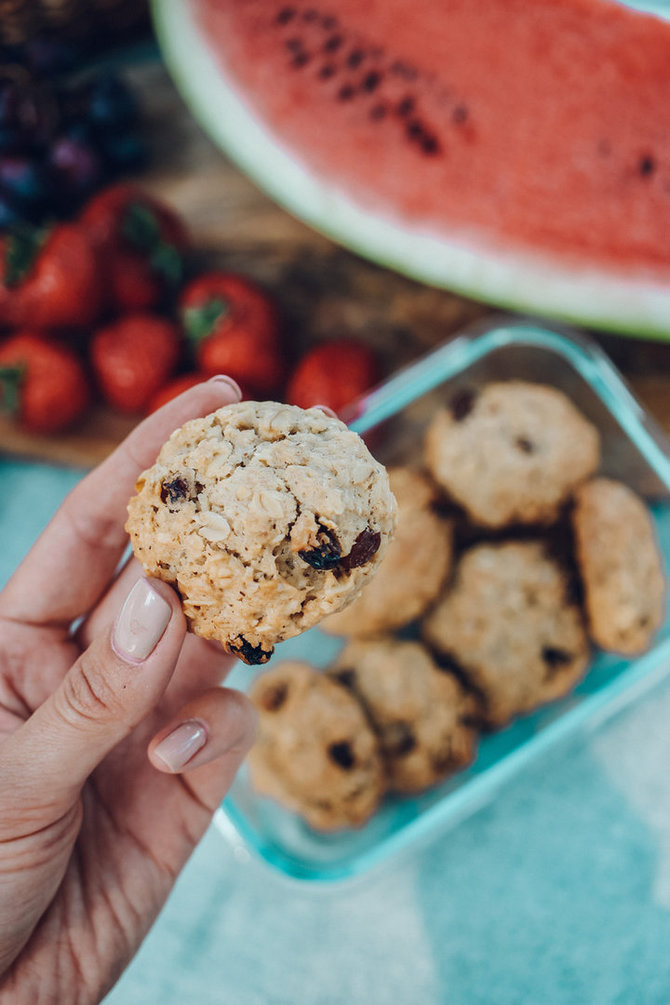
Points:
(141, 623)
(221, 378)
(179, 746)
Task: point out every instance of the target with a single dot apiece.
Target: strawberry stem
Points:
(11, 379)
(199, 322)
(141, 229)
(21, 249)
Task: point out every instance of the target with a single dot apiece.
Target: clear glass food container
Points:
(393, 419)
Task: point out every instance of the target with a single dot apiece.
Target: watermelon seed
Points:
(355, 58)
(403, 70)
(405, 107)
(371, 81)
(346, 93)
(327, 71)
(300, 59)
(285, 15)
(646, 166)
(429, 144)
(333, 43)
(459, 115)
(329, 23)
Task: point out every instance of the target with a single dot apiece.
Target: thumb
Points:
(112, 686)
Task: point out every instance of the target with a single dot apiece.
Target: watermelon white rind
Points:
(608, 298)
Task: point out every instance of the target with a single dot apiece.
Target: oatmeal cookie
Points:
(315, 753)
(620, 565)
(413, 570)
(511, 452)
(421, 714)
(265, 517)
(508, 624)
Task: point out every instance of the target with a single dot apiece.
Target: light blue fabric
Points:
(557, 893)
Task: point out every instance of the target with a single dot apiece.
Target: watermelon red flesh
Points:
(543, 126)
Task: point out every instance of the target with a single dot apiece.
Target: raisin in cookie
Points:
(265, 517)
(315, 753)
(414, 567)
(620, 565)
(508, 624)
(421, 714)
(511, 452)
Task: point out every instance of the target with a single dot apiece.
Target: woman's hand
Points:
(95, 725)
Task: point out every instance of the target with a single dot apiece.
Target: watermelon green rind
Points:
(532, 283)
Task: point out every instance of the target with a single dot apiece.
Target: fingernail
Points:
(221, 378)
(141, 623)
(326, 410)
(181, 744)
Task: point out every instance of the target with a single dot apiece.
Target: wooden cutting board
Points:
(322, 289)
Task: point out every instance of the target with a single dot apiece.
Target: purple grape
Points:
(109, 103)
(76, 168)
(28, 115)
(9, 214)
(124, 151)
(46, 56)
(23, 180)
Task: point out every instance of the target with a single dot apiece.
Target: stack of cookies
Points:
(512, 559)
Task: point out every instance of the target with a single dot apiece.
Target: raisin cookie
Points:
(413, 570)
(421, 714)
(508, 624)
(315, 753)
(265, 517)
(511, 452)
(620, 565)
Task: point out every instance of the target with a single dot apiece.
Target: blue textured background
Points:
(559, 892)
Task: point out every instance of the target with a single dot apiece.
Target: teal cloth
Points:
(556, 893)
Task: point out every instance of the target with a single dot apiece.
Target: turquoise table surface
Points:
(558, 892)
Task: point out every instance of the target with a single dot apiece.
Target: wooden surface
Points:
(322, 290)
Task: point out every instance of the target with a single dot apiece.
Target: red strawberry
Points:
(132, 358)
(333, 373)
(140, 242)
(42, 383)
(48, 278)
(233, 327)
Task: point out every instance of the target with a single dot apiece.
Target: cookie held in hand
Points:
(266, 518)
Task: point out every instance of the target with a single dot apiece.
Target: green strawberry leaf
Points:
(140, 227)
(166, 261)
(11, 379)
(199, 322)
(21, 249)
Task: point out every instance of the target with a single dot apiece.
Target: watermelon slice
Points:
(516, 152)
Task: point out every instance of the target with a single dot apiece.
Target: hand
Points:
(95, 725)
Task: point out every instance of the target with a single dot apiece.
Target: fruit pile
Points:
(103, 307)
(61, 136)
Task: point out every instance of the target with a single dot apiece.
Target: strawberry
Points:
(233, 328)
(49, 278)
(132, 358)
(42, 383)
(140, 242)
(333, 373)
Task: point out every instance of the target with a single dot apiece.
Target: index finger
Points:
(71, 563)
